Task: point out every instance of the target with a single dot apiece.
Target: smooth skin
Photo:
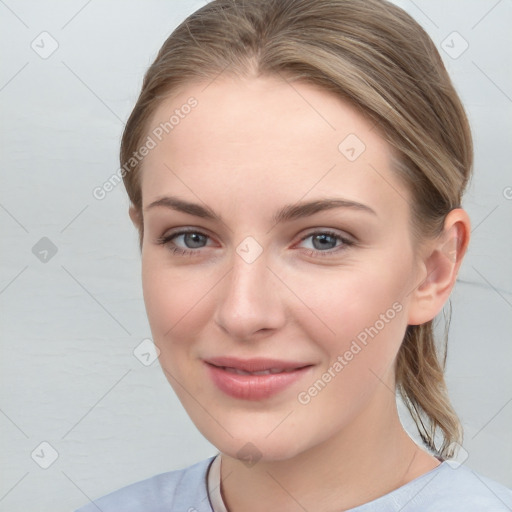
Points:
(251, 146)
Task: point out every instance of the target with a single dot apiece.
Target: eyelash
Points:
(166, 240)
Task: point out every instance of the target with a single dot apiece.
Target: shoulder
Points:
(184, 490)
(458, 488)
(447, 488)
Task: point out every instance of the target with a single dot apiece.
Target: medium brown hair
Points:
(373, 55)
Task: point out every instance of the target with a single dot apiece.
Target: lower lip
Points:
(253, 387)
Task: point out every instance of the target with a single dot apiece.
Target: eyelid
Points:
(330, 231)
(185, 229)
(180, 231)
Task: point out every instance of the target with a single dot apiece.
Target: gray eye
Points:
(322, 241)
(193, 240)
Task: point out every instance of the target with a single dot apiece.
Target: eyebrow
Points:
(285, 214)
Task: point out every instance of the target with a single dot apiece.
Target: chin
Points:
(251, 444)
(259, 450)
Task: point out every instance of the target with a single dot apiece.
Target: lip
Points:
(223, 372)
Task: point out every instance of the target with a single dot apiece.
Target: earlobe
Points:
(442, 260)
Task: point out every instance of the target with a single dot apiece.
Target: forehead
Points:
(266, 136)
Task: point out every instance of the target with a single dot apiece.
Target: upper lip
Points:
(256, 364)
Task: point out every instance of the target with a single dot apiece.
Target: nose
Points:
(250, 300)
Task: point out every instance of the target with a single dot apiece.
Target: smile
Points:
(254, 379)
(270, 371)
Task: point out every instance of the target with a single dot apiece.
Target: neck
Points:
(369, 458)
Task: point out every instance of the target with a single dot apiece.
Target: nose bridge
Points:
(249, 299)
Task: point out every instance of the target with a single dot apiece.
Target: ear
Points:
(135, 216)
(441, 260)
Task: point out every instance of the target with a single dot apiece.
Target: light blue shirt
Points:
(443, 489)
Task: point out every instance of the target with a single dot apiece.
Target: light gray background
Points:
(69, 325)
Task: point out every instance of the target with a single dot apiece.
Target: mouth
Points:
(270, 371)
(255, 366)
(254, 379)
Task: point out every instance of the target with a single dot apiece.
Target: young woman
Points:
(295, 171)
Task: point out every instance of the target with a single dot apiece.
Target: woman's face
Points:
(279, 313)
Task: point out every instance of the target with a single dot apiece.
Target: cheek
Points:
(359, 357)
(349, 304)
(174, 302)
(359, 325)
